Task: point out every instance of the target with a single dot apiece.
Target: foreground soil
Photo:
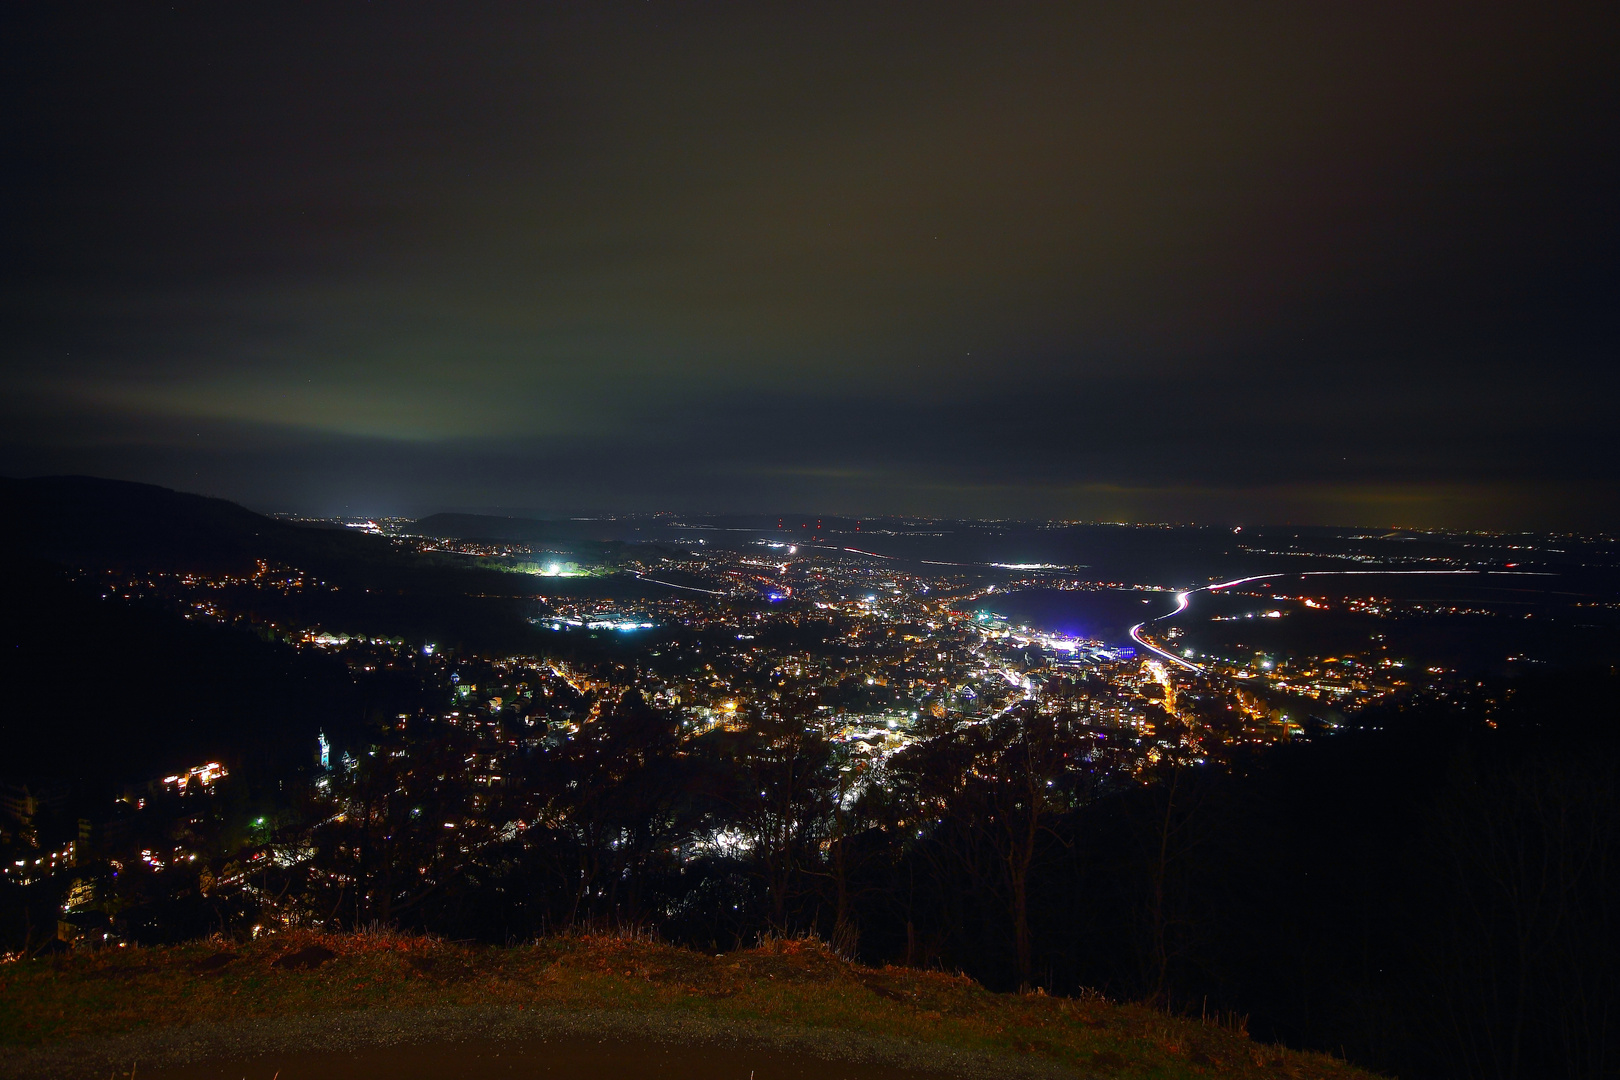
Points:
(571, 1058)
(315, 1005)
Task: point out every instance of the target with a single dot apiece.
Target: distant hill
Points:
(490, 527)
(100, 689)
(90, 523)
(86, 521)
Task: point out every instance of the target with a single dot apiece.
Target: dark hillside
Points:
(85, 522)
(103, 691)
(107, 685)
(366, 584)
(1435, 886)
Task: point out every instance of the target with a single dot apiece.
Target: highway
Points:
(1184, 598)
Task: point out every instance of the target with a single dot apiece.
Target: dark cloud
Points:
(1180, 260)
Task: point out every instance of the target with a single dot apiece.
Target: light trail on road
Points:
(1184, 598)
(672, 585)
(873, 554)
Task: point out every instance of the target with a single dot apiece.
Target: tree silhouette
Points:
(986, 796)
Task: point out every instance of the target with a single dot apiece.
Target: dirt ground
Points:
(428, 1044)
(587, 1059)
(383, 1004)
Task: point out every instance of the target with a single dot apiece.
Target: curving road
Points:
(1184, 598)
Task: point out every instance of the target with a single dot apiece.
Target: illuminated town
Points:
(854, 660)
(776, 539)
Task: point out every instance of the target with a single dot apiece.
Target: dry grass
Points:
(791, 982)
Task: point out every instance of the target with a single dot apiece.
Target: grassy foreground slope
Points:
(796, 983)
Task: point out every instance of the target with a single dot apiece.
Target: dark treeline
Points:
(1428, 895)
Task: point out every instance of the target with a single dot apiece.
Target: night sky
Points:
(1342, 263)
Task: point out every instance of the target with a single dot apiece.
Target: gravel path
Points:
(506, 1043)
